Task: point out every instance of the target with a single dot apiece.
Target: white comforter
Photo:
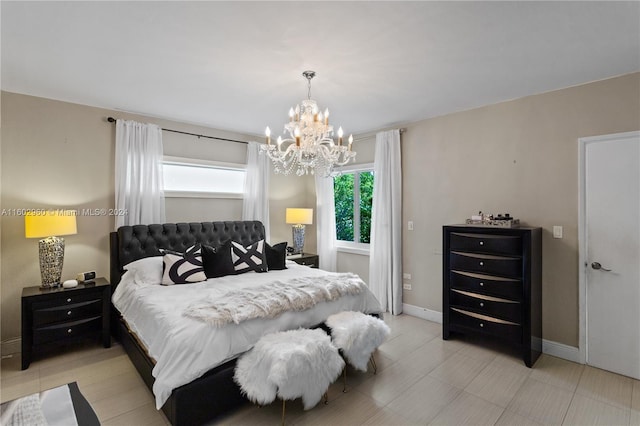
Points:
(184, 348)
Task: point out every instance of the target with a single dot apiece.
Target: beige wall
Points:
(518, 157)
(57, 154)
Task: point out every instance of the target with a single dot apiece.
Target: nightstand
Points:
(309, 259)
(54, 316)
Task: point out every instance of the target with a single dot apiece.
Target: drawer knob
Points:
(68, 312)
(69, 300)
(481, 325)
(481, 243)
(481, 263)
(481, 305)
(69, 331)
(481, 284)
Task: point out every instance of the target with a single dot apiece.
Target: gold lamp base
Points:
(51, 259)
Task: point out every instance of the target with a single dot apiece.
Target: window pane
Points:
(343, 196)
(195, 178)
(366, 203)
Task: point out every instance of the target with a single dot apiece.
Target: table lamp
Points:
(50, 224)
(299, 218)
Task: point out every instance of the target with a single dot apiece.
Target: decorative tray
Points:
(511, 223)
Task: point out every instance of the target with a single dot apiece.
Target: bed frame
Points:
(215, 393)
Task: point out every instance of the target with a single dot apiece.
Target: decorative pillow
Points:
(276, 256)
(183, 268)
(217, 260)
(250, 258)
(147, 270)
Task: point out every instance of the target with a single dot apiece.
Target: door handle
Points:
(596, 265)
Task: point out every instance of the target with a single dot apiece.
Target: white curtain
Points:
(326, 223)
(385, 260)
(139, 181)
(256, 187)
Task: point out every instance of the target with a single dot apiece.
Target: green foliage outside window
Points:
(366, 205)
(344, 190)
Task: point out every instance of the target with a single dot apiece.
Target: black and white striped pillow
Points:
(250, 258)
(183, 268)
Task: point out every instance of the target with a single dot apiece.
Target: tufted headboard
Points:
(135, 242)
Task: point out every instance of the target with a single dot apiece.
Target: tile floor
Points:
(421, 380)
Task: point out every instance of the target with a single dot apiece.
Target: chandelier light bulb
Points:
(308, 145)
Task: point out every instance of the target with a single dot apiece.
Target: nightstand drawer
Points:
(66, 312)
(68, 298)
(310, 260)
(67, 330)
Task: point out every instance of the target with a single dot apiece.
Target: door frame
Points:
(582, 232)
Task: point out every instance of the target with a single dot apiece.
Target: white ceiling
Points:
(237, 65)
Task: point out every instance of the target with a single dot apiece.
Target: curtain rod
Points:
(113, 120)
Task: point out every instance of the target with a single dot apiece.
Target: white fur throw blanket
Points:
(289, 364)
(357, 335)
(272, 300)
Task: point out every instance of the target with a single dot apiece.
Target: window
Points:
(353, 196)
(185, 177)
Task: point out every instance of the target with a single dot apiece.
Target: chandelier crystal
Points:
(309, 147)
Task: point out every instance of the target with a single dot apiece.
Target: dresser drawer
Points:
(67, 330)
(483, 243)
(485, 324)
(487, 305)
(67, 312)
(487, 264)
(478, 283)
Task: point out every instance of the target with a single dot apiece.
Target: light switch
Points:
(410, 225)
(557, 231)
(406, 276)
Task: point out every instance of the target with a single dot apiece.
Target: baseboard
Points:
(11, 346)
(549, 347)
(423, 313)
(560, 350)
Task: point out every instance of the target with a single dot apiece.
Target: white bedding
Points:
(186, 348)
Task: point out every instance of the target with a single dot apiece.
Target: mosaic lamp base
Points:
(51, 260)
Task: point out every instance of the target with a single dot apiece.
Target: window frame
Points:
(171, 160)
(354, 247)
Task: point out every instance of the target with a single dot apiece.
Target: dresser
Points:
(492, 285)
(55, 316)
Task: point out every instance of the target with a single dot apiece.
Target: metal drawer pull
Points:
(69, 300)
(69, 331)
(481, 243)
(481, 284)
(68, 312)
(481, 263)
(481, 305)
(481, 325)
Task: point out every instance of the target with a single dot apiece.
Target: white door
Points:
(612, 260)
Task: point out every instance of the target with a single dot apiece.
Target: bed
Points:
(186, 362)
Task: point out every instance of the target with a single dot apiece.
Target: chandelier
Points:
(308, 146)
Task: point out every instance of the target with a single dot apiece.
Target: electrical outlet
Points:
(410, 225)
(406, 286)
(406, 276)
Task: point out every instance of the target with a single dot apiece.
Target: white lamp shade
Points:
(50, 223)
(295, 216)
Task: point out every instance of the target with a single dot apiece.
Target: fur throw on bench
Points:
(357, 335)
(289, 364)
